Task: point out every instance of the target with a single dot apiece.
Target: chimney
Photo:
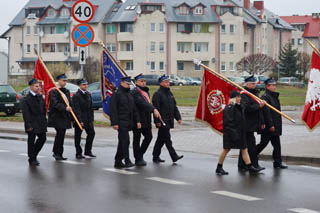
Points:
(259, 5)
(246, 4)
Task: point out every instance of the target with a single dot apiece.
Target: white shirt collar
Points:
(33, 93)
(84, 92)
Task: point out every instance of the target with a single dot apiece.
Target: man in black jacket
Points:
(164, 101)
(82, 105)
(273, 122)
(124, 118)
(59, 115)
(35, 121)
(145, 109)
(254, 121)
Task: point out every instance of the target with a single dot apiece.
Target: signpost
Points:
(82, 56)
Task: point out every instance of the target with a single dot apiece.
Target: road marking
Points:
(4, 151)
(120, 171)
(302, 210)
(311, 167)
(168, 181)
(71, 162)
(235, 195)
(26, 155)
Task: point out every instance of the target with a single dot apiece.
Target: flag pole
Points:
(314, 47)
(199, 63)
(61, 94)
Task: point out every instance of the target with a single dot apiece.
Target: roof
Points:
(23, 59)
(277, 22)
(312, 28)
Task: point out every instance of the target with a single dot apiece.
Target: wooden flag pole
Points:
(314, 47)
(61, 94)
(198, 62)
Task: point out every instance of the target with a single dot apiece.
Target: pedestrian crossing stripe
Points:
(236, 195)
(302, 210)
(71, 162)
(120, 171)
(311, 167)
(168, 181)
(4, 151)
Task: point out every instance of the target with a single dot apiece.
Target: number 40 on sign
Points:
(83, 11)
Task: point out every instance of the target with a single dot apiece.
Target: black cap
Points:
(82, 81)
(269, 81)
(234, 93)
(139, 77)
(163, 78)
(126, 79)
(250, 79)
(33, 81)
(62, 77)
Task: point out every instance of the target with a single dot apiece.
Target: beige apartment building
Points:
(149, 36)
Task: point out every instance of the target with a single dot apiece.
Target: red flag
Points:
(47, 83)
(311, 113)
(213, 98)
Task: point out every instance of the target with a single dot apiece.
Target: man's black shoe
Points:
(260, 168)
(90, 155)
(34, 163)
(242, 169)
(128, 163)
(119, 165)
(279, 166)
(141, 163)
(220, 171)
(254, 170)
(158, 160)
(59, 157)
(177, 158)
(80, 157)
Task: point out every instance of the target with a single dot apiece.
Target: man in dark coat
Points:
(59, 115)
(35, 121)
(124, 118)
(82, 105)
(254, 121)
(145, 109)
(273, 121)
(164, 101)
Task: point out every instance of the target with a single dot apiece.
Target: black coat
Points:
(252, 111)
(82, 107)
(164, 101)
(234, 134)
(59, 117)
(123, 110)
(144, 108)
(34, 113)
(271, 117)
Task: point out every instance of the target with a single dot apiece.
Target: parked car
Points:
(259, 81)
(152, 79)
(95, 91)
(191, 81)
(9, 100)
(291, 81)
(177, 80)
(237, 80)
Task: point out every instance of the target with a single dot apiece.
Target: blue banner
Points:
(111, 75)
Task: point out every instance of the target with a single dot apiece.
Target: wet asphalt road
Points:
(92, 185)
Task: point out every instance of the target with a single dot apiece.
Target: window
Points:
(52, 29)
(223, 28)
(231, 48)
(161, 47)
(161, 66)
(153, 66)
(184, 28)
(198, 10)
(61, 28)
(184, 46)
(28, 30)
(245, 47)
(292, 41)
(300, 41)
(197, 67)
(201, 28)
(153, 27)
(35, 30)
(35, 46)
(111, 28)
(51, 13)
(201, 47)
(223, 48)
(223, 66)
(184, 10)
(126, 27)
(75, 48)
(197, 28)
(28, 48)
(52, 48)
(180, 66)
(161, 27)
(111, 47)
(129, 46)
(153, 47)
(65, 12)
(232, 28)
(129, 65)
(231, 65)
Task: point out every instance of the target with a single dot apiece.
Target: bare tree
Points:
(91, 69)
(256, 64)
(58, 68)
(304, 63)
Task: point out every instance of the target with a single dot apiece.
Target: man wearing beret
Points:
(145, 109)
(273, 121)
(59, 115)
(123, 117)
(82, 105)
(254, 122)
(164, 101)
(35, 121)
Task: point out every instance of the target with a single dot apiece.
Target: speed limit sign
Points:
(83, 11)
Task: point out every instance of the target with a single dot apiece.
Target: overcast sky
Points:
(281, 7)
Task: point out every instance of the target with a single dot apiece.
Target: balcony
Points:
(125, 36)
(55, 38)
(190, 55)
(125, 55)
(54, 56)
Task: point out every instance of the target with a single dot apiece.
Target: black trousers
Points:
(123, 145)
(139, 150)
(59, 141)
(164, 137)
(34, 146)
(275, 141)
(89, 140)
(252, 150)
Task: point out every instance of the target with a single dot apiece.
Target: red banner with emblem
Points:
(214, 96)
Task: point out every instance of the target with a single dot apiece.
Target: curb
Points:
(291, 159)
(22, 132)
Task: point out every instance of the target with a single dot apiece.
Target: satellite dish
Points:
(41, 34)
(138, 11)
(210, 29)
(66, 34)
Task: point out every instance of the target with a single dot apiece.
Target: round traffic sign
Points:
(82, 35)
(83, 11)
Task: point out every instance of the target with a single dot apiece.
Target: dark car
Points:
(152, 79)
(9, 100)
(95, 91)
(259, 81)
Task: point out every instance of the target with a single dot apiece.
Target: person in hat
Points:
(35, 121)
(145, 109)
(254, 121)
(273, 121)
(123, 117)
(234, 134)
(82, 105)
(164, 101)
(59, 115)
